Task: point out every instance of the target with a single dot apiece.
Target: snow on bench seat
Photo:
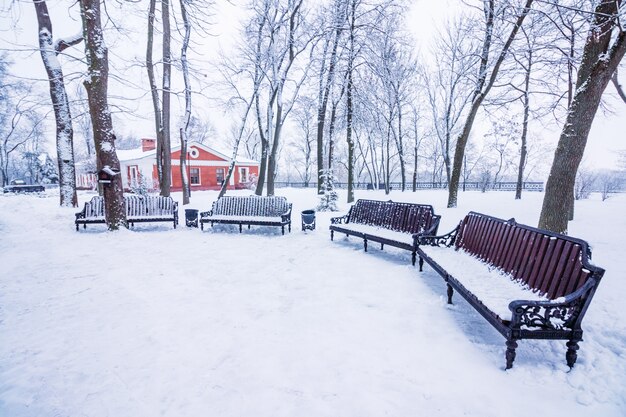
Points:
(364, 229)
(493, 287)
(221, 218)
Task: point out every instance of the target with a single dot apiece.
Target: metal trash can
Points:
(308, 220)
(191, 217)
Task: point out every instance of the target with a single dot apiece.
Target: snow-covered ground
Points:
(163, 322)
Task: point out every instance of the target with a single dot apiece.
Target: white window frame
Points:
(242, 178)
(133, 171)
(223, 175)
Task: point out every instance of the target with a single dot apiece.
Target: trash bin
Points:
(191, 217)
(308, 220)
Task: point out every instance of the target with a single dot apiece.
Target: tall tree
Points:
(64, 131)
(154, 91)
(484, 82)
(184, 130)
(326, 79)
(164, 148)
(96, 83)
(604, 49)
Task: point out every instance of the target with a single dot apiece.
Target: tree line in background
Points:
(334, 90)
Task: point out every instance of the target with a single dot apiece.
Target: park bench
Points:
(388, 223)
(249, 210)
(139, 209)
(528, 283)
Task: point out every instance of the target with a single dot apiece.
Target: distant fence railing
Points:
(498, 186)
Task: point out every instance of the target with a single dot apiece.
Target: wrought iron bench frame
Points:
(249, 210)
(551, 264)
(410, 218)
(139, 209)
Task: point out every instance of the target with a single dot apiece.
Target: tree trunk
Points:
(271, 160)
(401, 148)
(166, 149)
(96, 83)
(187, 117)
(156, 104)
(60, 104)
(523, 148)
(349, 140)
(600, 59)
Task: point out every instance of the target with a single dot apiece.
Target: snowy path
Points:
(169, 322)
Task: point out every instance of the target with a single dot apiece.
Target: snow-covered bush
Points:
(329, 197)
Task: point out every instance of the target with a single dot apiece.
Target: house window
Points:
(243, 174)
(194, 176)
(219, 172)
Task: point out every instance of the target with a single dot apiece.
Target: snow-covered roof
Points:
(126, 155)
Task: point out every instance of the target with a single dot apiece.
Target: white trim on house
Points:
(132, 155)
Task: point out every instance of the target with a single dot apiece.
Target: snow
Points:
(219, 217)
(494, 288)
(178, 322)
(378, 231)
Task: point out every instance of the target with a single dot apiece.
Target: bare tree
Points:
(49, 50)
(184, 130)
(326, 78)
(484, 82)
(448, 85)
(604, 50)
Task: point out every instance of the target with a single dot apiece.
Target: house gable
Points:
(198, 152)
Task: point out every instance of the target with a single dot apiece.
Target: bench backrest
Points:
(150, 205)
(396, 216)
(553, 264)
(264, 206)
(136, 206)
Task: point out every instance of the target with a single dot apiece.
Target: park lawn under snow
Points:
(163, 322)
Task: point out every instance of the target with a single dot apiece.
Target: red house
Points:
(206, 167)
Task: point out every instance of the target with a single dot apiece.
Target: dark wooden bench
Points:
(249, 210)
(388, 223)
(139, 209)
(528, 283)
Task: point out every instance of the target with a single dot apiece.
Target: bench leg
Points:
(201, 226)
(249, 227)
(283, 227)
(511, 345)
(239, 227)
(365, 244)
(332, 235)
(421, 263)
(289, 227)
(382, 246)
(571, 355)
(450, 293)
(77, 227)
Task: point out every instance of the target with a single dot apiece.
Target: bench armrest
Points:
(564, 312)
(446, 240)
(286, 216)
(204, 214)
(340, 220)
(81, 214)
